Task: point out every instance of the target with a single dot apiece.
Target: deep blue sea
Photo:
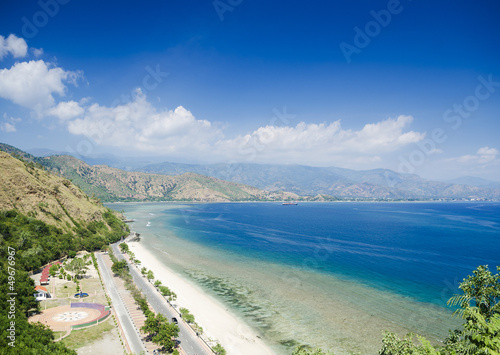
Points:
(411, 248)
(368, 257)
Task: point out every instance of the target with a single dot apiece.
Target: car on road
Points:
(174, 320)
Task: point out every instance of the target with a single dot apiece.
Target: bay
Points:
(328, 274)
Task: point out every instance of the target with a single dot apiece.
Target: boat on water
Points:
(149, 223)
(289, 203)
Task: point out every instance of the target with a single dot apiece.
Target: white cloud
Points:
(487, 151)
(32, 84)
(7, 127)
(484, 155)
(139, 125)
(66, 110)
(177, 133)
(484, 158)
(37, 52)
(485, 162)
(9, 124)
(14, 45)
(322, 144)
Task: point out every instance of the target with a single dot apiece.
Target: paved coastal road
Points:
(190, 343)
(131, 335)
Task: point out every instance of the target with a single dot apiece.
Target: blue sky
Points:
(413, 86)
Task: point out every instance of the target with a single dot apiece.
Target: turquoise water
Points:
(327, 274)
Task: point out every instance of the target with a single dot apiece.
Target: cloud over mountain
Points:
(139, 125)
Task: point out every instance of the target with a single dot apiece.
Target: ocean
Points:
(333, 275)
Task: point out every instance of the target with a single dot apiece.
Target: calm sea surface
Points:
(328, 274)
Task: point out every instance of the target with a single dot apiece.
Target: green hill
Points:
(42, 195)
(43, 217)
(111, 184)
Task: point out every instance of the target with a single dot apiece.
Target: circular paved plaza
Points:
(62, 318)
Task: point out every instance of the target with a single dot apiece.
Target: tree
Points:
(392, 345)
(53, 270)
(150, 275)
(165, 291)
(157, 283)
(481, 292)
(124, 248)
(119, 267)
(188, 317)
(480, 308)
(77, 266)
(166, 336)
(161, 331)
(144, 271)
(219, 349)
(307, 350)
(152, 323)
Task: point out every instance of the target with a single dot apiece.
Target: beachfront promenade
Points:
(131, 334)
(190, 343)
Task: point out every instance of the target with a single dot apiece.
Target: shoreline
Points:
(270, 311)
(216, 320)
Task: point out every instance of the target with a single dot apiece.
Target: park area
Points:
(77, 309)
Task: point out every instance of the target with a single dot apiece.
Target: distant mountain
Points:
(123, 163)
(475, 181)
(43, 152)
(338, 182)
(111, 184)
(233, 182)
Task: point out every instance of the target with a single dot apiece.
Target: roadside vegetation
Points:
(158, 329)
(26, 244)
(154, 320)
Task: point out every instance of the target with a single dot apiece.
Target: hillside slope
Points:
(111, 184)
(47, 197)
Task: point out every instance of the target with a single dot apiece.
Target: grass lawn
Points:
(54, 303)
(57, 335)
(82, 337)
(64, 295)
(62, 292)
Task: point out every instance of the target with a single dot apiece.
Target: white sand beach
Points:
(217, 322)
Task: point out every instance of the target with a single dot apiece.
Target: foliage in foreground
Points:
(479, 307)
(307, 350)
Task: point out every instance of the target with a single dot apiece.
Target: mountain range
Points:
(342, 183)
(112, 184)
(177, 181)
